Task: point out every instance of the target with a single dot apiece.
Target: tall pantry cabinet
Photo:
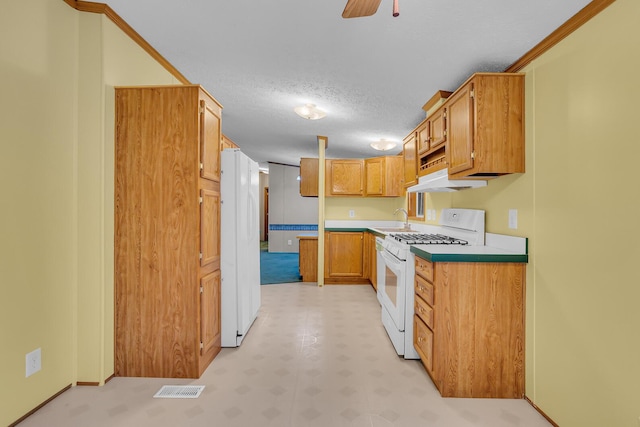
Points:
(167, 231)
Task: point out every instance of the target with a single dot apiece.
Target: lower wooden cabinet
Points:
(308, 258)
(345, 258)
(469, 327)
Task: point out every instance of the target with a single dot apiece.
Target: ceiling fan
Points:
(359, 8)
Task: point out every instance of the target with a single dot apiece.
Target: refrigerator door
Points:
(240, 251)
(248, 245)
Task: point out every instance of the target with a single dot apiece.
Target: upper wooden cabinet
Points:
(409, 155)
(210, 136)
(485, 126)
(167, 231)
(344, 177)
(309, 177)
(227, 143)
(437, 128)
(374, 177)
(422, 135)
(383, 176)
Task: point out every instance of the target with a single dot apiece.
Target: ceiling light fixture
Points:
(309, 111)
(383, 145)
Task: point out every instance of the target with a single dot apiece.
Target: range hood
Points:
(439, 182)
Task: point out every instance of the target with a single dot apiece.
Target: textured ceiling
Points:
(371, 75)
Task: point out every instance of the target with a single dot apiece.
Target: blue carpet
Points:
(278, 267)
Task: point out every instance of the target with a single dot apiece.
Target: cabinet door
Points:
(460, 123)
(345, 177)
(437, 128)
(423, 137)
(308, 260)
(209, 141)
(210, 332)
(344, 254)
(309, 177)
(410, 160)
(210, 228)
(393, 176)
(374, 176)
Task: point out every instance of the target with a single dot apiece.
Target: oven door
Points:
(391, 286)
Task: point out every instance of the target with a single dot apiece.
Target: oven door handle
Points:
(392, 262)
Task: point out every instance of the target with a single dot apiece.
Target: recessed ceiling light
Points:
(310, 112)
(383, 145)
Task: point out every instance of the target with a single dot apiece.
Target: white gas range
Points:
(396, 268)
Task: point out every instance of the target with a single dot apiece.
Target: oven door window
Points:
(391, 285)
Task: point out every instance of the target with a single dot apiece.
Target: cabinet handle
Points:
(420, 339)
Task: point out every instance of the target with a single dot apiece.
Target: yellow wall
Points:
(38, 206)
(58, 68)
(365, 208)
(578, 204)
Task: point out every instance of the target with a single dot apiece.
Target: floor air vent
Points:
(179, 392)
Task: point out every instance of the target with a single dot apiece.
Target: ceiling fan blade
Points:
(358, 8)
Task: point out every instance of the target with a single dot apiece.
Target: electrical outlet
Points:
(33, 362)
(352, 213)
(513, 218)
(289, 242)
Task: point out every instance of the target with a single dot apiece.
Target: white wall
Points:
(287, 207)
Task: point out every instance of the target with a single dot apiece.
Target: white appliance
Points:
(240, 245)
(396, 269)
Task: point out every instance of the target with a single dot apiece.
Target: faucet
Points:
(407, 226)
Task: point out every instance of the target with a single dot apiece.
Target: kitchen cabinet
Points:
(373, 177)
(167, 231)
(436, 128)
(345, 257)
(409, 155)
(227, 143)
(469, 327)
(485, 126)
(383, 176)
(308, 258)
(344, 177)
(309, 177)
(422, 136)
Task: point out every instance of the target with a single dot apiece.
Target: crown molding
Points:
(92, 7)
(572, 24)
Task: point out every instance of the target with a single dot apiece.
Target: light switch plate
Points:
(352, 213)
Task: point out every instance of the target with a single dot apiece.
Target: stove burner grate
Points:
(427, 239)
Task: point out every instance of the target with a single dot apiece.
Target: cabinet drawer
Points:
(424, 289)
(424, 310)
(423, 341)
(424, 268)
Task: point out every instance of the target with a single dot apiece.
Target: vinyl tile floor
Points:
(314, 357)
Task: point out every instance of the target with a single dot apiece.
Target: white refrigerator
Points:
(240, 245)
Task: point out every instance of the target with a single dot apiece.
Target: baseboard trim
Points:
(31, 412)
(94, 383)
(88, 383)
(541, 412)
